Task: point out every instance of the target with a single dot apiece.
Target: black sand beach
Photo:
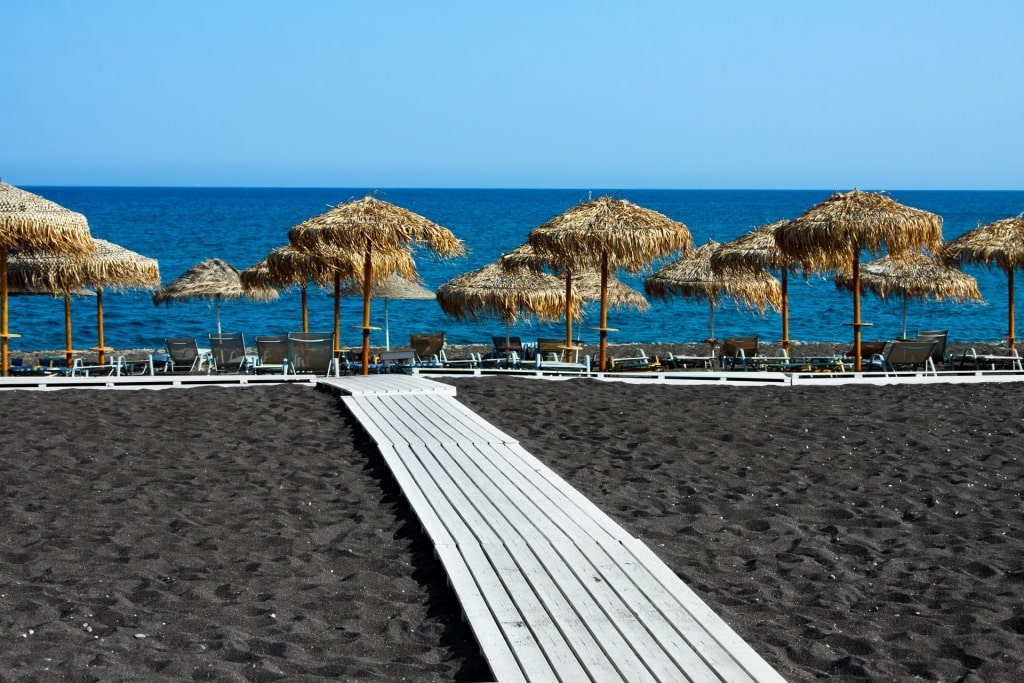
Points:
(231, 534)
(251, 533)
(849, 533)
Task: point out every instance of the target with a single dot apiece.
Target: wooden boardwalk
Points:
(553, 589)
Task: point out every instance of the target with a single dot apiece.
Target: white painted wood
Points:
(571, 593)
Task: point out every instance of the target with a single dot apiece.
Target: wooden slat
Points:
(551, 582)
(607, 611)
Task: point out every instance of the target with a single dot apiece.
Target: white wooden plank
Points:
(552, 643)
(447, 415)
(695, 634)
(376, 425)
(567, 569)
(514, 626)
(730, 641)
(489, 636)
(611, 620)
(431, 522)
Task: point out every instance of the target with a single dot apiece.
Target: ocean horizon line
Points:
(458, 188)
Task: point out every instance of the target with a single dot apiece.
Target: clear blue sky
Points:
(892, 94)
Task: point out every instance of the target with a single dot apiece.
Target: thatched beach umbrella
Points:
(913, 276)
(395, 287)
(693, 277)
(288, 266)
(28, 222)
(211, 279)
(754, 252)
(831, 235)
(586, 283)
(507, 294)
(1000, 243)
(370, 227)
(108, 266)
(607, 234)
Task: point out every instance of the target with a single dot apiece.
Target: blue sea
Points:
(183, 226)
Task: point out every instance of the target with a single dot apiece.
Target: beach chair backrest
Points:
(745, 347)
(868, 350)
(512, 344)
(548, 347)
(939, 354)
(909, 354)
(311, 352)
(272, 349)
(184, 352)
(427, 345)
(228, 350)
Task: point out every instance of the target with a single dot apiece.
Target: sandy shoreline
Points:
(851, 533)
(652, 350)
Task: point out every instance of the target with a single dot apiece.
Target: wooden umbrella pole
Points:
(367, 276)
(337, 315)
(305, 310)
(603, 355)
(856, 310)
(1009, 283)
(568, 308)
(69, 357)
(711, 320)
(785, 308)
(100, 354)
(3, 311)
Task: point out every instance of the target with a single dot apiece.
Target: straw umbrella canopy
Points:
(507, 294)
(831, 235)
(1000, 243)
(586, 283)
(212, 279)
(607, 234)
(753, 252)
(913, 276)
(369, 227)
(693, 277)
(395, 287)
(288, 266)
(108, 266)
(28, 223)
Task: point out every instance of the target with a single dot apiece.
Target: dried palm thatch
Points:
(108, 266)
(494, 291)
(915, 276)
(289, 265)
(692, 277)
(587, 282)
(384, 226)
(369, 226)
(754, 252)
(831, 235)
(394, 287)
(28, 223)
(1000, 243)
(212, 279)
(607, 234)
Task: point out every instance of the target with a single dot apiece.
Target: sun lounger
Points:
(971, 360)
(640, 361)
(736, 352)
(906, 355)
